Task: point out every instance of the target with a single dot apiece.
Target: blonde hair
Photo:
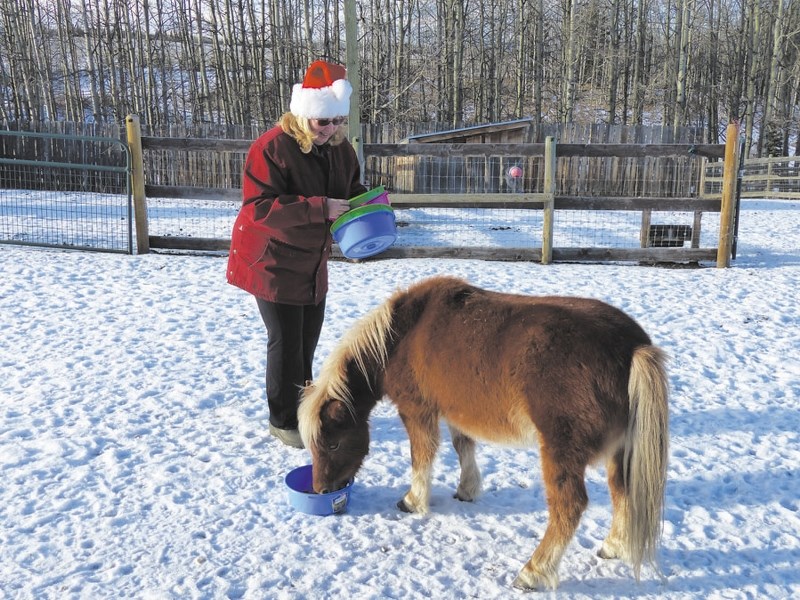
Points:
(299, 129)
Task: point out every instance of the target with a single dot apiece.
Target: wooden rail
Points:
(562, 150)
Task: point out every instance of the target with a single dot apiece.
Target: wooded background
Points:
(698, 63)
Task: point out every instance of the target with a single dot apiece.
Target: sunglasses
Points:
(325, 122)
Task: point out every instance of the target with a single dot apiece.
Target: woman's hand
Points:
(336, 207)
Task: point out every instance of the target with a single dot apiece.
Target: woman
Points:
(297, 178)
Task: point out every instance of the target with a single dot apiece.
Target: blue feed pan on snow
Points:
(302, 496)
(365, 231)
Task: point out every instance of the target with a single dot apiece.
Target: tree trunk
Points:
(770, 133)
(752, 74)
(638, 70)
(569, 63)
(613, 64)
(682, 47)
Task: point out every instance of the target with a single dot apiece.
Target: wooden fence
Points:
(553, 163)
(774, 177)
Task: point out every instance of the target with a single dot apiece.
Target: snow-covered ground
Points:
(135, 461)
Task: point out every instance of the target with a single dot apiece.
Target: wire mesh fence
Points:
(417, 227)
(45, 201)
(508, 174)
(469, 227)
(635, 229)
(178, 217)
(53, 192)
(474, 227)
(73, 220)
(773, 177)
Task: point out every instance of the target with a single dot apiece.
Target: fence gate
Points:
(65, 191)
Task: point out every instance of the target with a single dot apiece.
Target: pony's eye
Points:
(333, 447)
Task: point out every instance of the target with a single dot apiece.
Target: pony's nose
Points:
(325, 491)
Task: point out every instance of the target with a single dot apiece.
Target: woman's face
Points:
(324, 128)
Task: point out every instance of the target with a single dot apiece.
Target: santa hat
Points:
(324, 93)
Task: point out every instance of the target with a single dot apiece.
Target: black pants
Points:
(293, 332)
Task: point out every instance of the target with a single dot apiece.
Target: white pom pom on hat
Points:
(324, 93)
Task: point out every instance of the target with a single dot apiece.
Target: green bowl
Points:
(376, 195)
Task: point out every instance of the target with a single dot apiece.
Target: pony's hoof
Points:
(530, 581)
(401, 504)
(603, 553)
(458, 496)
(522, 584)
(610, 550)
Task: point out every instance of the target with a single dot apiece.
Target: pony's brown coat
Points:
(573, 375)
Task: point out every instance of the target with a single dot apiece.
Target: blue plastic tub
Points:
(302, 496)
(365, 231)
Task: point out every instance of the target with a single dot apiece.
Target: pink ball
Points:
(515, 172)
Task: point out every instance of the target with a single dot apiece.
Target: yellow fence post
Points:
(729, 174)
(354, 77)
(549, 199)
(769, 175)
(701, 193)
(134, 132)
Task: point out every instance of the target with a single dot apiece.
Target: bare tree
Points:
(639, 79)
(677, 62)
(683, 41)
(769, 140)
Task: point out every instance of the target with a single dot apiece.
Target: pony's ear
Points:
(336, 411)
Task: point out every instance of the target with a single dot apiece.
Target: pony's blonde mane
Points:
(367, 339)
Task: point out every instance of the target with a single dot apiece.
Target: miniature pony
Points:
(575, 376)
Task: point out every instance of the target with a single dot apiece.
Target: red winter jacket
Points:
(281, 239)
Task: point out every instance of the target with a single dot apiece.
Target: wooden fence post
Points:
(549, 199)
(134, 132)
(768, 188)
(729, 174)
(701, 193)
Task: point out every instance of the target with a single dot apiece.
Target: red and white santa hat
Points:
(324, 93)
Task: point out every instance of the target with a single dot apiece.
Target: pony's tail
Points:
(646, 450)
